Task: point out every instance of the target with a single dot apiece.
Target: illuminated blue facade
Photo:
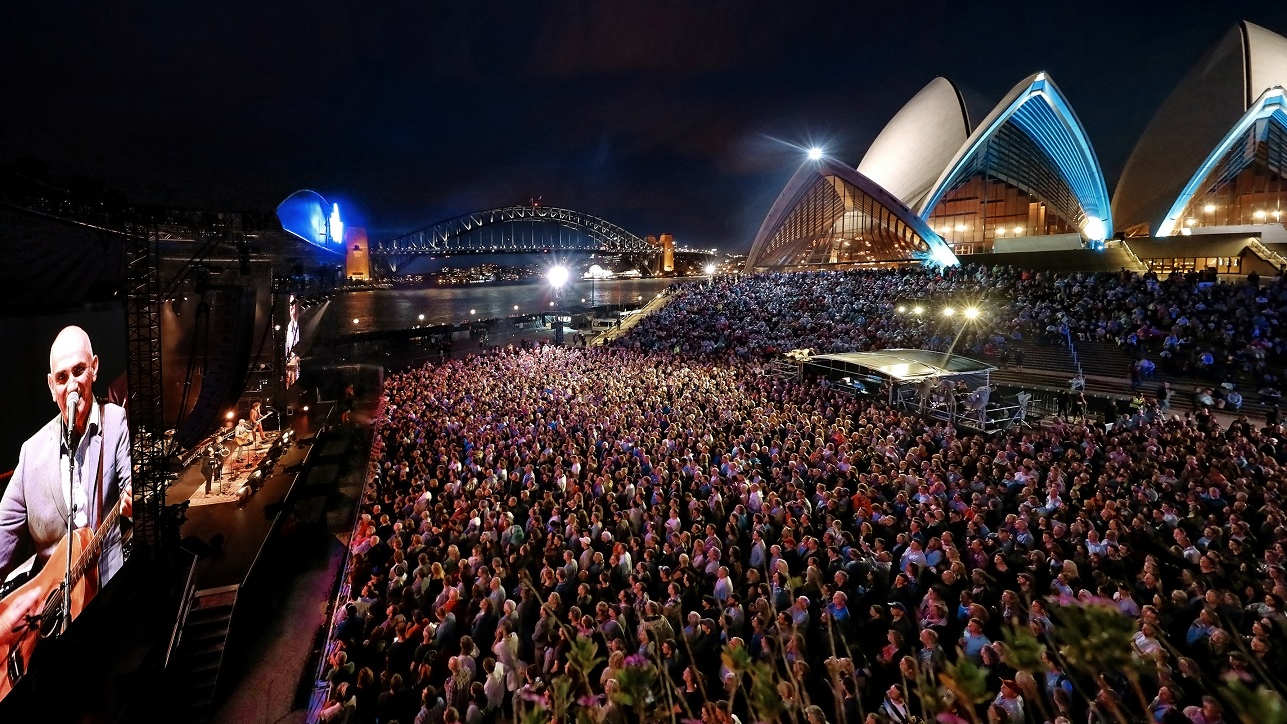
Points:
(310, 217)
(1034, 144)
(1263, 125)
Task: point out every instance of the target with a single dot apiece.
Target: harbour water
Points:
(402, 307)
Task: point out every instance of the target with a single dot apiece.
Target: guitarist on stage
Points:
(35, 505)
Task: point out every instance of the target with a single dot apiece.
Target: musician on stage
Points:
(214, 458)
(257, 423)
(35, 505)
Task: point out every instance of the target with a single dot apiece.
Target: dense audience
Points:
(1187, 324)
(669, 502)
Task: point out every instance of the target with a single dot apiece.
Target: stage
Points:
(243, 525)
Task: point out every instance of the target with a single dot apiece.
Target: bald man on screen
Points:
(43, 489)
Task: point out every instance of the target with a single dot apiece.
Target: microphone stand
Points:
(65, 616)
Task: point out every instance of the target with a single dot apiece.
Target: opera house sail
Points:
(829, 214)
(1214, 155)
(1026, 170)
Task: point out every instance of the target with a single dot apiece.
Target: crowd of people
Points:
(677, 508)
(1188, 324)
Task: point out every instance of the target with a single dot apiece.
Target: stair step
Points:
(201, 649)
(204, 615)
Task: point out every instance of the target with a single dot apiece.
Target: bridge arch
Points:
(477, 233)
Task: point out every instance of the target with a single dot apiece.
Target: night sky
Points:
(684, 116)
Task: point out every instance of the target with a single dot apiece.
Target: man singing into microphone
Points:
(44, 488)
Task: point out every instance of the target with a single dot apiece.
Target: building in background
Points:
(1214, 156)
(357, 256)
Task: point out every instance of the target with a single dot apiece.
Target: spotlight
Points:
(422, 318)
(972, 312)
(558, 276)
(918, 310)
(710, 270)
(1209, 208)
(948, 311)
(815, 154)
(277, 328)
(355, 320)
(901, 309)
(473, 311)
(231, 414)
(515, 307)
(305, 408)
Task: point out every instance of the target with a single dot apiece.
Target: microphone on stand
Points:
(73, 402)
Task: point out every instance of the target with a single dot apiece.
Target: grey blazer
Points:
(34, 509)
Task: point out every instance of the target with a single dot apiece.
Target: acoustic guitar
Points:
(244, 433)
(47, 622)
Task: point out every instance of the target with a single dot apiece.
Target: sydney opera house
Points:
(944, 180)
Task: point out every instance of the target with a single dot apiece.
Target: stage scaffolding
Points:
(937, 385)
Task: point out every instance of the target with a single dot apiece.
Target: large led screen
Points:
(66, 497)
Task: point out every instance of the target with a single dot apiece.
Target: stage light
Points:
(422, 318)
(710, 269)
(305, 408)
(815, 154)
(551, 304)
(558, 276)
(1209, 208)
(960, 227)
(918, 310)
(515, 307)
(277, 328)
(355, 320)
(948, 311)
(231, 414)
(971, 312)
(473, 311)
(901, 309)
(1095, 229)
(1260, 214)
(583, 300)
(1190, 222)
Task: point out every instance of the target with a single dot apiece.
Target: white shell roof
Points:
(918, 142)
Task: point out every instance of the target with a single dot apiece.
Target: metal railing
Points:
(1129, 252)
(189, 588)
(1072, 349)
(321, 686)
(1269, 255)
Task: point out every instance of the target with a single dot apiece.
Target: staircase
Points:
(193, 670)
(1264, 252)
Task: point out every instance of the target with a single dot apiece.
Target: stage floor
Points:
(244, 526)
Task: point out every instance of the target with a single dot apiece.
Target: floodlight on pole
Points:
(558, 276)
